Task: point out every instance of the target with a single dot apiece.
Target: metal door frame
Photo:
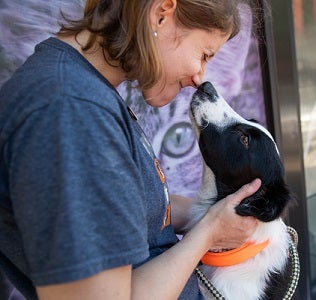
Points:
(281, 90)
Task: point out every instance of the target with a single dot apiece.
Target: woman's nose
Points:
(197, 79)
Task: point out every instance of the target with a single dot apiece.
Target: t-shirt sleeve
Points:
(76, 192)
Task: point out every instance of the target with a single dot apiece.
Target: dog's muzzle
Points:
(202, 102)
(205, 93)
(208, 89)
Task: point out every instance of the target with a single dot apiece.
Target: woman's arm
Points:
(110, 284)
(165, 276)
(180, 212)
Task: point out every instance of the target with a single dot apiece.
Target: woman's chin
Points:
(164, 98)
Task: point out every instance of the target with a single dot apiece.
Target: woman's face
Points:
(184, 55)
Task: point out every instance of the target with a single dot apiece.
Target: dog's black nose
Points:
(208, 88)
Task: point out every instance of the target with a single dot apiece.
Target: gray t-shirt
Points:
(80, 188)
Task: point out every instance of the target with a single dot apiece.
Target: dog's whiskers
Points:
(203, 122)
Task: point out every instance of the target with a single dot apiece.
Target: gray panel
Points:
(285, 107)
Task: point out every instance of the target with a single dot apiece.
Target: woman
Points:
(85, 210)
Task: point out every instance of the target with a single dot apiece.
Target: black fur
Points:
(237, 155)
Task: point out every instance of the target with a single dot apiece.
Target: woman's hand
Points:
(227, 229)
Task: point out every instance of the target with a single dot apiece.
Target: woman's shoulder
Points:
(53, 77)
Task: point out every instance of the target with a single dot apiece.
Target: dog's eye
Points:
(245, 140)
(179, 140)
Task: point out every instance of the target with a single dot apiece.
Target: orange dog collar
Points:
(235, 256)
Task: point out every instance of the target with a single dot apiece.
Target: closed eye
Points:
(207, 57)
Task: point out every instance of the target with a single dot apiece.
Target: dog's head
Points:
(237, 151)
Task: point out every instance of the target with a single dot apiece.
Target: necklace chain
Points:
(294, 275)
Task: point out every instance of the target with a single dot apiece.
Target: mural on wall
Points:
(235, 71)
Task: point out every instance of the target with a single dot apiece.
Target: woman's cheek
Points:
(163, 97)
(194, 68)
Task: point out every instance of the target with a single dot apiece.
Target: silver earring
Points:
(155, 33)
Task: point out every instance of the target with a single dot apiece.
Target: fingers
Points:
(230, 230)
(246, 191)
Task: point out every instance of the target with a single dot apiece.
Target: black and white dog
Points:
(235, 151)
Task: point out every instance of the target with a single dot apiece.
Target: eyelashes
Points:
(206, 57)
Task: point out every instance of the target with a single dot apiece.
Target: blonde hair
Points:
(124, 31)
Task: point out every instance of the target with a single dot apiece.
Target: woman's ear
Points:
(168, 7)
(160, 11)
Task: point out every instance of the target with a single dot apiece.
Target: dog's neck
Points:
(208, 189)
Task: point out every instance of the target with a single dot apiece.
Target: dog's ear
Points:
(267, 204)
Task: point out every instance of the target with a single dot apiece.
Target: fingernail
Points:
(256, 182)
